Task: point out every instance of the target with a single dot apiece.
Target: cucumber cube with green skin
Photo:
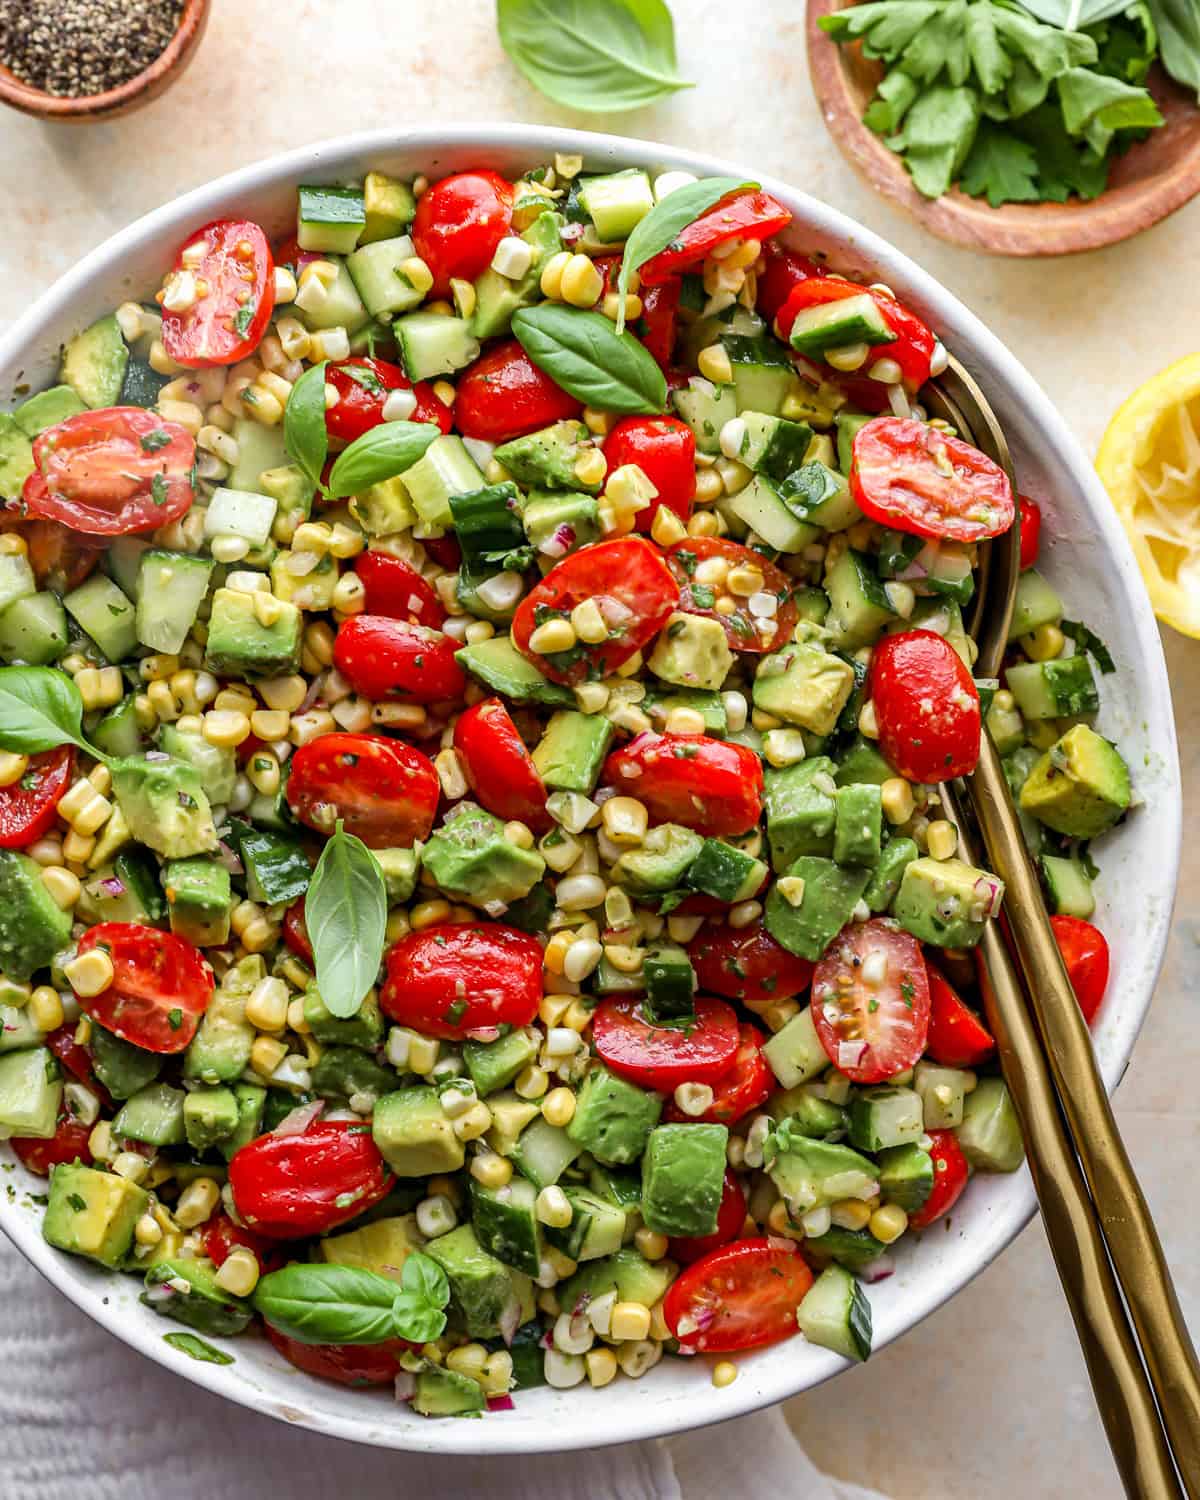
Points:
(607, 980)
(445, 1393)
(1006, 727)
(260, 450)
(432, 345)
(414, 1135)
(377, 271)
(93, 1213)
(188, 1291)
(834, 325)
(622, 1189)
(772, 445)
(571, 752)
(154, 1115)
(613, 1118)
(494, 1065)
(626, 1272)
(546, 459)
(854, 1249)
(118, 733)
(813, 1174)
(763, 375)
(617, 203)
(706, 408)
(1036, 604)
(858, 832)
(683, 1175)
(241, 513)
(543, 1152)
(330, 218)
(661, 862)
(597, 1227)
(17, 1030)
(882, 1117)
(47, 409)
(905, 1176)
(251, 1102)
(896, 857)
(726, 873)
(820, 496)
(102, 610)
(943, 1092)
(16, 578)
(210, 1116)
(848, 425)
(199, 900)
(670, 985)
(33, 928)
(804, 684)
(93, 363)
(761, 507)
(469, 859)
(990, 1135)
(859, 608)
(1069, 886)
(795, 1054)
(253, 635)
(835, 1314)
(277, 868)
(528, 1357)
(443, 471)
(1057, 689)
(122, 1068)
(33, 631)
(831, 893)
(500, 666)
(482, 1288)
(30, 1093)
(347, 1071)
(363, 1029)
(141, 386)
(506, 1223)
(801, 810)
(946, 902)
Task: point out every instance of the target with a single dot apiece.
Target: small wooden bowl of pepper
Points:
(80, 60)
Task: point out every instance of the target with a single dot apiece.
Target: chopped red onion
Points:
(781, 1242)
(878, 1270)
(297, 1121)
(406, 1385)
(850, 1054)
(228, 860)
(483, 1034)
(500, 1403)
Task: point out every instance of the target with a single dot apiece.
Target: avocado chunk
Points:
(801, 810)
(506, 1223)
(154, 1114)
(510, 1115)
(399, 868)
(547, 458)
(347, 1071)
(199, 900)
(187, 1291)
(414, 1136)
(210, 1115)
(220, 1050)
(896, 857)
(30, 1094)
(381, 1246)
(93, 1213)
(32, 926)
(251, 1099)
(946, 902)
(363, 1029)
(252, 635)
(47, 409)
(482, 1288)
(16, 458)
(570, 754)
(215, 765)
(830, 894)
(469, 859)
(122, 1068)
(500, 666)
(1080, 787)
(613, 1118)
(858, 831)
(93, 363)
(660, 862)
(692, 651)
(497, 297)
(630, 1275)
(804, 684)
(905, 1176)
(862, 763)
(446, 1393)
(809, 1113)
(554, 519)
(165, 806)
(494, 1065)
(810, 1174)
(683, 1175)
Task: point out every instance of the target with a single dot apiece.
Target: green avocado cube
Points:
(30, 1094)
(494, 1065)
(990, 1134)
(199, 899)
(482, 1288)
(830, 894)
(862, 762)
(251, 1101)
(683, 1176)
(728, 873)
(122, 1068)
(1080, 787)
(216, 766)
(558, 518)
(16, 458)
(252, 635)
(896, 857)
(187, 1290)
(445, 1393)
(469, 859)
(33, 928)
(570, 754)
(629, 1274)
(47, 409)
(93, 1213)
(660, 862)
(613, 1118)
(414, 1135)
(692, 651)
(546, 459)
(210, 1115)
(801, 810)
(858, 830)
(364, 1028)
(399, 867)
(812, 1174)
(220, 1050)
(500, 666)
(804, 684)
(346, 1071)
(905, 1176)
(946, 902)
(165, 806)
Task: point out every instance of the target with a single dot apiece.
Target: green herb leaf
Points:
(1071, 15)
(1001, 168)
(420, 1308)
(893, 99)
(366, 377)
(1178, 26)
(598, 55)
(304, 433)
(939, 131)
(330, 1304)
(583, 352)
(197, 1348)
(381, 453)
(243, 318)
(345, 911)
(1087, 640)
(154, 440)
(40, 708)
(1095, 106)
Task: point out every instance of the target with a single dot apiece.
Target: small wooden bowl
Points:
(128, 96)
(1151, 180)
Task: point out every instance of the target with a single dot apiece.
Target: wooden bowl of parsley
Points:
(1044, 128)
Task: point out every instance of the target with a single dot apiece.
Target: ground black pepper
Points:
(73, 48)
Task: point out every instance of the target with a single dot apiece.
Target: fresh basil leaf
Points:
(381, 453)
(345, 912)
(424, 1293)
(598, 55)
(1071, 15)
(304, 433)
(1087, 640)
(329, 1304)
(40, 709)
(197, 1348)
(583, 352)
(1178, 26)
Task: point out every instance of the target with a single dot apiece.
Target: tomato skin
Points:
(60, 558)
(660, 309)
(662, 1057)
(784, 271)
(664, 448)
(745, 215)
(345, 1364)
(633, 589)
(957, 1037)
(742, 1296)
(1031, 530)
(77, 1060)
(444, 550)
(156, 975)
(385, 791)
(386, 658)
(743, 1088)
(295, 933)
(499, 769)
(499, 968)
(709, 785)
(360, 409)
(746, 963)
(504, 395)
(206, 334)
(1085, 953)
(221, 1236)
(286, 1187)
(950, 1173)
(394, 588)
(740, 629)
(730, 1217)
(891, 1017)
(68, 1143)
(94, 474)
(26, 813)
(458, 224)
(926, 706)
(911, 348)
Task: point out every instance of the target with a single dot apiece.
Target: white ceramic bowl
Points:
(1084, 552)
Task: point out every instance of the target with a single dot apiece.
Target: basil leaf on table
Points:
(345, 912)
(420, 1308)
(583, 352)
(381, 453)
(1178, 25)
(329, 1304)
(598, 55)
(40, 709)
(304, 433)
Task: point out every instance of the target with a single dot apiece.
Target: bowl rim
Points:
(974, 344)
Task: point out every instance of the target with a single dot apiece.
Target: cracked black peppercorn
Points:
(75, 48)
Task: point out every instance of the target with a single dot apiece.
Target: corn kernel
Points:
(89, 973)
(713, 363)
(531, 1083)
(591, 467)
(558, 1107)
(625, 821)
(197, 1202)
(724, 1373)
(45, 1008)
(474, 1122)
(491, 1170)
(226, 728)
(553, 1208)
(601, 1366)
(553, 636)
(62, 885)
(266, 1055)
(238, 1273)
(888, 1223)
(630, 1321)
(941, 839)
(850, 1213)
(580, 282)
(898, 803)
(467, 1359)
(1043, 644)
(652, 1244)
(427, 913)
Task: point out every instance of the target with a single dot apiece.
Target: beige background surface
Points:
(989, 1397)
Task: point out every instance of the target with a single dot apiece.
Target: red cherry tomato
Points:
(386, 792)
(784, 271)
(295, 933)
(236, 280)
(911, 348)
(664, 448)
(459, 222)
(27, 807)
(448, 980)
(444, 550)
(950, 1174)
(871, 1030)
(633, 590)
(394, 588)
(364, 385)
(60, 558)
(499, 769)
(112, 471)
(221, 1236)
(289, 1187)
(957, 1037)
(741, 1296)
(730, 1217)
(161, 986)
(504, 395)
(741, 627)
(77, 1061)
(660, 309)
(386, 658)
(709, 785)
(662, 1057)
(913, 477)
(746, 963)
(926, 706)
(1031, 530)
(1085, 953)
(750, 215)
(345, 1364)
(736, 1093)
(68, 1143)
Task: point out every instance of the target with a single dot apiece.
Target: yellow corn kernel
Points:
(490, 1170)
(531, 1083)
(888, 1223)
(62, 885)
(77, 848)
(270, 724)
(13, 544)
(552, 275)
(868, 724)
(349, 595)
(12, 767)
(611, 306)
(558, 1107)
(428, 913)
(288, 693)
(197, 1202)
(449, 767)
(651, 1243)
(577, 1016)
(45, 1008)
(553, 636)
(724, 1373)
(601, 1366)
(625, 821)
(267, 1005)
(630, 1321)
(708, 486)
(496, 1377)
(588, 623)
(468, 1360)
(266, 1055)
(704, 523)
(941, 839)
(599, 423)
(591, 467)
(1044, 644)
(779, 1013)
(580, 282)
(684, 720)
(311, 726)
(850, 1213)
(148, 1231)
(473, 1123)
(898, 804)
(552, 1008)
(226, 728)
(666, 527)
(465, 296)
(417, 274)
(345, 541)
(444, 391)
(744, 581)
(238, 1273)
(88, 973)
(713, 363)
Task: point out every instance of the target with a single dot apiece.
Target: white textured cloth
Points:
(83, 1417)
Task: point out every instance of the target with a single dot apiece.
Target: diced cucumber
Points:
(1055, 689)
(990, 1135)
(16, 578)
(906, 1176)
(170, 590)
(728, 873)
(885, 1117)
(122, 562)
(277, 869)
(597, 1226)
(821, 496)
(154, 1114)
(835, 1314)
(795, 1053)
(33, 630)
(772, 445)
(336, 306)
(834, 325)
(330, 218)
(761, 508)
(30, 1093)
(17, 1030)
(618, 203)
(141, 386)
(117, 733)
(242, 513)
(848, 425)
(506, 1223)
(763, 376)
(444, 471)
(16, 458)
(1006, 727)
(431, 345)
(543, 1153)
(943, 1091)
(705, 408)
(103, 611)
(377, 271)
(259, 448)
(1036, 604)
(670, 986)
(859, 608)
(93, 363)
(1069, 885)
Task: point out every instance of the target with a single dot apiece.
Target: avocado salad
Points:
(475, 903)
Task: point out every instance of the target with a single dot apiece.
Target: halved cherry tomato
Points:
(662, 1057)
(741, 627)
(288, 253)
(1031, 530)
(926, 706)
(345, 1364)
(458, 977)
(364, 385)
(235, 278)
(875, 1026)
(784, 271)
(112, 471)
(747, 215)
(77, 1060)
(444, 550)
(741, 1296)
(957, 1037)
(1085, 953)
(295, 932)
(27, 807)
(459, 222)
(221, 1236)
(60, 558)
(660, 309)
(915, 478)
(386, 792)
(289, 1187)
(504, 395)
(664, 448)
(710, 785)
(912, 346)
(499, 769)
(633, 590)
(746, 963)
(161, 985)
(730, 1217)
(386, 658)
(743, 1088)
(394, 588)
(68, 1143)
(950, 1172)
